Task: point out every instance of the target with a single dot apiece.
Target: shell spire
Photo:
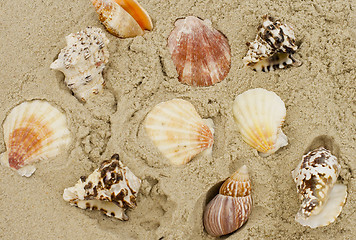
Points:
(178, 131)
(230, 209)
(33, 131)
(112, 188)
(322, 199)
(200, 53)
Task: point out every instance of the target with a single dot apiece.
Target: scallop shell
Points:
(123, 18)
(33, 131)
(273, 47)
(112, 188)
(200, 53)
(322, 199)
(230, 209)
(260, 114)
(178, 131)
(82, 61)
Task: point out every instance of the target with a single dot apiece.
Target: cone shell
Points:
(315, 177)
(112, 188)
(230, 209)
(178, 131)
(33, 131)
(273, 47)
(200, 53)
(259, 115)
(123, 18)
(82, 62)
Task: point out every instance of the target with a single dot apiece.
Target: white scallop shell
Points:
(33, 131)
(112, 188)
(82, 62)
(259, 115)
(178, 131)
(273, 47)
(322, 199)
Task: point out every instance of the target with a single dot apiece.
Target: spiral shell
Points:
(322, 199)
(260, 114)
(112, 188)
(123, 18)
(82, 62)
(230, 209)
(273, 47)
(33, 131)
(178, 131)
(200, 53)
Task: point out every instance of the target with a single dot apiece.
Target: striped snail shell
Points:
(230, 209)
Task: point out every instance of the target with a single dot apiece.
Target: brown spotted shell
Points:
(230, 209)
(200, 53)
(112, 188)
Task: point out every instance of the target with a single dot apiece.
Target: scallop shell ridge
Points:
(259, 115)
(200, 53)
(33, 131)
(112, 188)
(178, 131)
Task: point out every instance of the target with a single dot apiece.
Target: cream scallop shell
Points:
(260, 114)
(178, 131)
(112, 188)
(322, 199)
(33, 131)
(230, 209)
(123, 18)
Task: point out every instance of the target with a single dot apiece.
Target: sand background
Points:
(319, 96)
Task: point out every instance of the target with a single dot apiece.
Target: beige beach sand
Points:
(319, 96)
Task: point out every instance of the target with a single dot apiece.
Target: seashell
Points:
(112, 188)
(123, 18)
(322, 199)
(260, 114)
(273, 47)
(200, 53)
(33, 131)
(230, 209)
(178, 131)
(82, 62)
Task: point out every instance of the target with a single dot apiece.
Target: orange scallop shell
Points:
(200, 53)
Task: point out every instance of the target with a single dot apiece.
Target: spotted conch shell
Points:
(260, 114)
(200, 53)
(322, 199)
(178, 131)
(230, 209)
(123, 18)
(33, 131)
(273, 47)
(112, 188)
(82, 61)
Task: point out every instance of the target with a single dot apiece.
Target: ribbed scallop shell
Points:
(322, 199)
(259, 115)
(178, 131)
(33, 131)
(82, 62)
(200, 53)
(273, 47)
(230, 209)
(123, 18)
(112, 188)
